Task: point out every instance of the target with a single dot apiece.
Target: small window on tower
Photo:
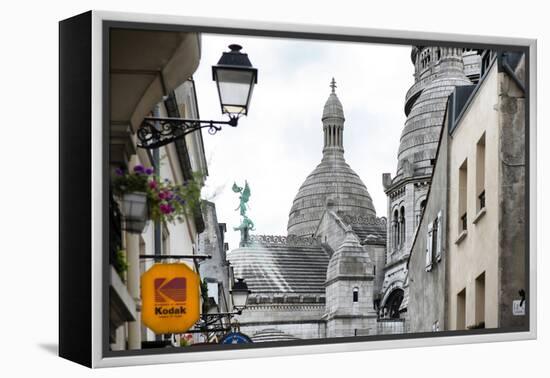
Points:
(356, 294)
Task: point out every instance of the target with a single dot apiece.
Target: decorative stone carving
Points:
(280, 240)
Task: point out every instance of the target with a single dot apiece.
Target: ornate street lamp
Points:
(211, 319)
(235, 79)
(239, 295)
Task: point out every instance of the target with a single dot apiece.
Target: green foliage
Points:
(168, 202)
(130, 182)
(120, 263)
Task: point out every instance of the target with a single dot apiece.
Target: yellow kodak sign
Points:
(170, 295)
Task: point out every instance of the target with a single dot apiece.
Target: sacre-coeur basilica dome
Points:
(332, 180)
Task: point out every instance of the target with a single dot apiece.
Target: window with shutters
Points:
(439, 236)
(429, 247)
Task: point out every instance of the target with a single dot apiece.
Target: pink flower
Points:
(152, 184)
(165, 208)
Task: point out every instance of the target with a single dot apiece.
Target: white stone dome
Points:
(333, 179)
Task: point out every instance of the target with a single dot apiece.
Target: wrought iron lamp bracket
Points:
(156, 132)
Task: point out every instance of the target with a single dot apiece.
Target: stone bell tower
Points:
(437, 71)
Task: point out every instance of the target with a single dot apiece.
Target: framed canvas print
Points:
(258, 189)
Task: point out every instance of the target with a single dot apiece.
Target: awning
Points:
(146, 65)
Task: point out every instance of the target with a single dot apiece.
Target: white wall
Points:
(478, 251)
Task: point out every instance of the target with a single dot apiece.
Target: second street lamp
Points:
(212, 320)
(235, 79)
(239, 295)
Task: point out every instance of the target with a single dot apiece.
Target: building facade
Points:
(149, 86)
(486, 248)
(467, 266)
(427, 262)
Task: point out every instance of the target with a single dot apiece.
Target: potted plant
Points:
(143, 196)
(132, 190)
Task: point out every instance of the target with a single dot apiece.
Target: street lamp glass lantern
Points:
(239, 294)
(235, 78)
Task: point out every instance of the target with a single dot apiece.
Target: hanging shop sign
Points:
(170, 298)
(235, 338)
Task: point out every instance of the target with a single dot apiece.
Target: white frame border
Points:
(98, 360)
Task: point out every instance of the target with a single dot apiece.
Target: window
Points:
(480, 173)
(429, 247)
(419, 211)
(461, 310)
(402, 223)
(463, 196)
(480, 301)
(395, 233)
(355, 294)
(438, 236)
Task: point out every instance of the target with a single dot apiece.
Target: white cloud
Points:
(280, 142)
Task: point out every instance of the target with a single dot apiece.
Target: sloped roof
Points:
(366, 227)
(277, 264)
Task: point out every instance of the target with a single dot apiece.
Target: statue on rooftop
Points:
(246, 224)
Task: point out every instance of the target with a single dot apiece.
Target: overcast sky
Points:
(281, 140)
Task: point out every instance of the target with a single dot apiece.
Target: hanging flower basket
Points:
(135, 210)
(144, 197)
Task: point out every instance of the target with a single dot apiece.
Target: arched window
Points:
(356, 294)
(402, 223)
(393, 303)
(395, 231)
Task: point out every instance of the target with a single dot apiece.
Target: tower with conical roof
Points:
(333, 179)
(349, 290)
(438, 70)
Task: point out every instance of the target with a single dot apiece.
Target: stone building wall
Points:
(391, 326)
(211, 242)
(303, 321)
(511, 166)
(426, 307)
